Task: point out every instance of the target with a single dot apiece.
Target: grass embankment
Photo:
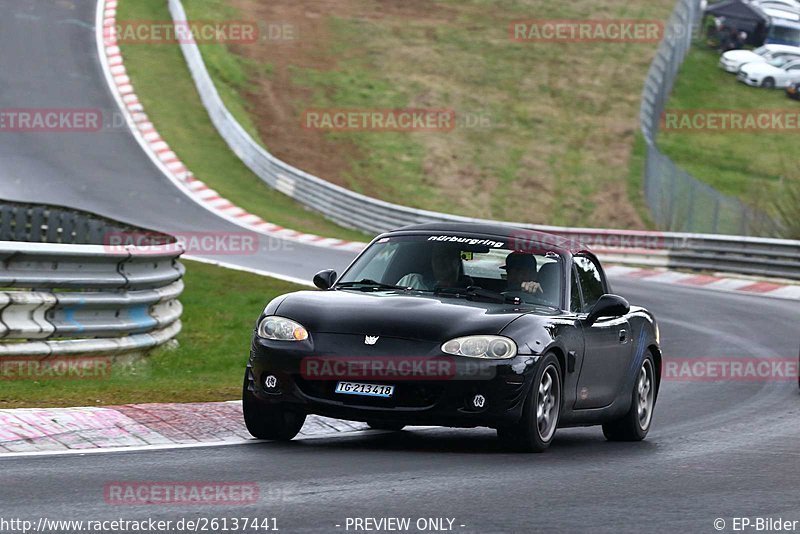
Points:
(220, 309)
(544, 130)
(164, 85)
(756, 167)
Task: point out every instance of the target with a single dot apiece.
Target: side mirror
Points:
(325, 279)
(608, 306)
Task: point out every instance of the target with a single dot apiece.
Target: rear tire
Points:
(392, 427)
(269, 421)
(768, 83)
(540, 416)
(635, 424)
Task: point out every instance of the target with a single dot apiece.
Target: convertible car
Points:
(459, 325)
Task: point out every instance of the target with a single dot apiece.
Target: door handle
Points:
(623, 336)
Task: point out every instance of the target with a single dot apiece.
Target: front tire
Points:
(268, 421)
(537, 427)
(635, 424)
(768, 83)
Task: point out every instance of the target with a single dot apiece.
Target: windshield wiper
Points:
(367, 283)
(471, 292)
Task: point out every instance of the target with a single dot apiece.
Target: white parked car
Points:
(733, 60)
(779, 72)
(778, 13)
(779, 8)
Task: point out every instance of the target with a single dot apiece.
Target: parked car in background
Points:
(733, 60)
(783, 31)
(779, 72)
(779, 11)
(784, 5)
(793, 91)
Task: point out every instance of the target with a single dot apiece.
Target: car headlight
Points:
(281, 329)
(489, 347)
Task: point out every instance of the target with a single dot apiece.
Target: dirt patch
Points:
(275, 103)
(562, 118)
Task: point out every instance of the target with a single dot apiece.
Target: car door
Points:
(607, 341)
(792, 73)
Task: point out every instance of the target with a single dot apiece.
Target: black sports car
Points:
(458, 325)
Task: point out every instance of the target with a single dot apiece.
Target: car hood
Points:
(760, 68)
(394, 314)
(738, 56)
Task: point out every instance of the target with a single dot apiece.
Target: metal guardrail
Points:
(345, 207)
(769, 257)
(754, 256)
(76, 295)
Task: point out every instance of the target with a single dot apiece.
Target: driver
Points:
(446, 270)
(521, 274)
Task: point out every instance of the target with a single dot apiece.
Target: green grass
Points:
(165, 88)
(220, 309)
(752, 166)
(548, 153)
(559, 118)
(636, 179)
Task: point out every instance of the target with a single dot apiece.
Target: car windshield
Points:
(785, 34)
(762, 51)
(446, 264)
(779, 61)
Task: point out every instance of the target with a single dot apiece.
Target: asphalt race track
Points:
(48, 59)
(717, 449)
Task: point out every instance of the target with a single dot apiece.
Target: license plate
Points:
(359, 388)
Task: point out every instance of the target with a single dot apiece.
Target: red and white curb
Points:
(165, 159)
(720, 283)
(136, 427)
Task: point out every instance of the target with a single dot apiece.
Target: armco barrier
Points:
(755, 256)
(767, 257)
(62, 291)
(338, 204)
(346, 207)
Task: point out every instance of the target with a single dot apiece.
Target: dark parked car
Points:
(458, 325)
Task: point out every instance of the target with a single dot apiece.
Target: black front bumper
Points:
(443, 400)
